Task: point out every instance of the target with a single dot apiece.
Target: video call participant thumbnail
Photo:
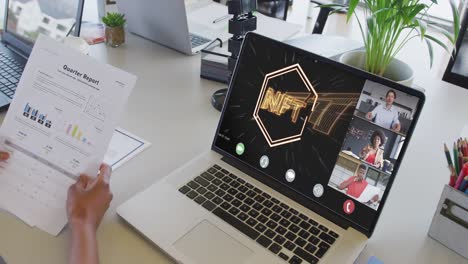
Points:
(386, 115)
(372, 153)
(356, 185)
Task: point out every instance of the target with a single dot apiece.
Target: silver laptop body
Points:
(190, 234)
(164, 22)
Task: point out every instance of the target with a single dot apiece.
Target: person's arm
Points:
(83, 245)
(396, 123)
(379, 158)
(346, 183)
(364, 152)
(397, 127)
(372, 114)
(88, 200)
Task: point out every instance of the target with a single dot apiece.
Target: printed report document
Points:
(58, 126)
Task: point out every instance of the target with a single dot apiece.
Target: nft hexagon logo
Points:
(281, 116)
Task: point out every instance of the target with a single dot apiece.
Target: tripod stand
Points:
(242, 22)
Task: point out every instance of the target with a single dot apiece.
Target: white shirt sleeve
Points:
(395, 118)
(375, 111)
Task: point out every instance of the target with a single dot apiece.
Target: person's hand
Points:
(396, 128)
(364, 152)
(89, 199)
(4, 156)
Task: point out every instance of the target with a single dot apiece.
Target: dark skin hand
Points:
(88, 201)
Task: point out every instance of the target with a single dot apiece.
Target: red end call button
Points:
(348, 207)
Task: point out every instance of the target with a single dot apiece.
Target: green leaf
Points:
(416, 9)
(371, 22)
(444, 32)
(438, 42)
(337, 11)
(456, 20)
(114, 19)
(431, 52)
(352, 6)
(422, 27)
(384, 10)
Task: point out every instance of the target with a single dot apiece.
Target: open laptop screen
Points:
(327, 133)
(26, 19)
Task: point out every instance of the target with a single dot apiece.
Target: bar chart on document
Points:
(69, 125)
(76, 132)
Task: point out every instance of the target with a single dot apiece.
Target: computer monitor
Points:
(457, 69)
(26, 19)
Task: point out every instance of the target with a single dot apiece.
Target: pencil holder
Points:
(450, 223)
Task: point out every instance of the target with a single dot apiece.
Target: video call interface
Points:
(325, 133)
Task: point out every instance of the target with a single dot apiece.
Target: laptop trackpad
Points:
(207, 244)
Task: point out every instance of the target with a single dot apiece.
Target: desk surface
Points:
(170, 107)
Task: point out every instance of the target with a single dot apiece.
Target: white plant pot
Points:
(397, 71)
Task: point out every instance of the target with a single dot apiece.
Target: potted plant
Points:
(115, 33)
(389, 25)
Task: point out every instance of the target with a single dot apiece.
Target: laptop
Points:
(166, 22)
(277, 185)
(25, 20)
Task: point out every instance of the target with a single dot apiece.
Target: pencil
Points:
(449, 158)
(455, 158)
(460, 160)
(461, 176)
(453, 180)
(453, 177)
(465, 148)
(463, 184)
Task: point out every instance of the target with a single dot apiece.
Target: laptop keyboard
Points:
(10, 73)
(197, 40)
(284, 231)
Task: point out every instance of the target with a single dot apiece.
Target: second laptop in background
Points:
(189, 28)
(165, 22)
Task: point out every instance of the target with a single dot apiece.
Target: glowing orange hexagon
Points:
(307, 88)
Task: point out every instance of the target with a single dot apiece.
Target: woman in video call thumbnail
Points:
(372, 153)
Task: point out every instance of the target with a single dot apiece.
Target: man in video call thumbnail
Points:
(386, 115)
(356, 185)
